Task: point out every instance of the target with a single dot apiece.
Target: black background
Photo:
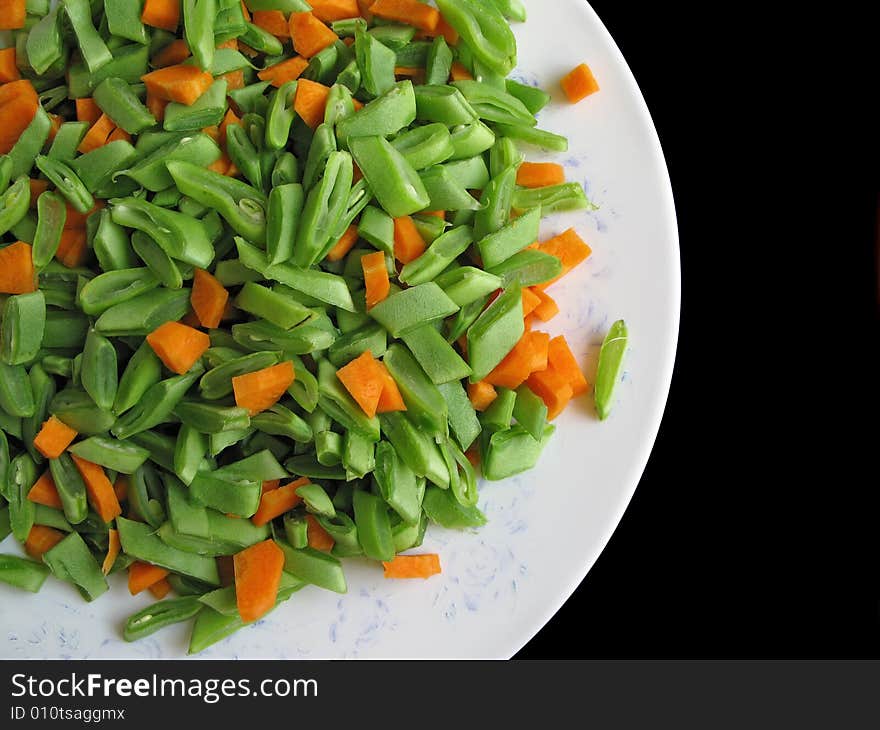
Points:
(752, 531)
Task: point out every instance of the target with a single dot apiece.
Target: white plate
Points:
(546, 528)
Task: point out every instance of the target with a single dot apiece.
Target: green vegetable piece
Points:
(198, 27)
(124, 20)
(497, 417)
(211, 418)
(463, 420)
(92, 47)
(495, 333)
(99, 370)
(374, 527)
(533, 135)
(418, 449)
(217, 382)
(530, 412)
(205, 111)
(383, 117)
(341, 407)
(314, 567)
(398, 484)
(114, 96)
(444, 509)
(22, 473)
(71, 488)
(14, 204)
(411, 308)
(143, 371)
(441, 363)
(71, 560)
(20, 572)
(21, 331)
(144, 313)
(498, 247)
(512, 452)
(51, 217)
(156, 405)
(485, 31)
(439, 62)
(529, 268)
(16, 395)
(425, 146)
(610, 367)
(394, 182)
(138, 540)
(466, 285)
(446, 191)
(158, 615)
(74, 407)
(376, 63)
(442, 252)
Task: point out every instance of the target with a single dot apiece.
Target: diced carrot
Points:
(156, 106)
(473, 456)
(272, 21)
(257, 577)
(516, 367)
(56, 121)
(459, 72)
(175, 52)
(18, 105)
(358, 105)
(231, 44)
(75, 219)
(412, 566)
(276, 502)
(12, 14)
(245, 11)
(281, 73)
(410, 72)
(311, 101)
(44, 492)
(548, 308)
(375, 278)
(208, 298)
(270, 485)
(41, 539)
(363, 379)
(230, 118)
(356, 174)
(113, 548)
(8, 69)
(390, 401)
(441, 214)
(97, 134)
(318, 537)
(221, 164)
(530, 301)
(160, 589)
(332, 10)
(563, 361)
(120, 487)
(190, 319)
(309, 35)
(38, 187)
(234, 80)
(260, 390)
(17, 269)
(408, 242)
(142, 575)
(540, 174)
(181, 83)
(73, 249)
(481, 394)
(410, 12)
(449, 33)
(99, 490)
(163, 14)
(579, 83)
(179, 347)
(245, 49)
(553, 389)
(226, 570)
(118, 134)
(569, 248)
(87, 110)
(539, 344)
(364, 8)
(344, 244)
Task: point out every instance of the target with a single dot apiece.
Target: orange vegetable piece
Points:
(548, 308)
(221, 164)
(175, 52)
(73, 249)
(539, 343)
(390, 400)
(100, 491)
(412, 566)
(142, 575)
(481, 394)
(579, 83)
(226, 569)
(87, 110)
(260, 390)
(163, 14)
(8, 69)
(75, 219)
(459, 73)
(344, 244)
(18, 104)
(311, 101)
(540, 174)
(283, 72)
(178, 346)
(447, 31)
(97, 134)
(12, 14)
(41, 539)
(44, 492)
(38, 187)
(270, 485)
(54, 437)
(276, 502)
(245, 11)
(563, 361)
(309, 35)
(181, 83)
(409, 12)
(569, 248)
(530, 301)
(208, 298)
(17, 269)
(113, 548)
(318, 537)
(234, 79)
(364, 380)
(230, 118)
(55, 124)
(441, 214)
(332, 10)
(551, 388)
(117, 134)
(272, 21)
(516, 367)
(156, 106)
(160, 589)
(257, 577)
(408, 242)
(364, 7)
(376, 278)
(190, 319)
(120, 487)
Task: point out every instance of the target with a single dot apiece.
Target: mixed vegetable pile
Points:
(269, 275)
